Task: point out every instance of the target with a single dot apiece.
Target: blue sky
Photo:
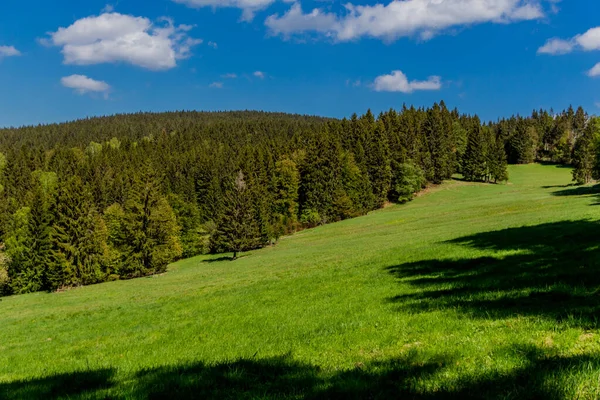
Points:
(68, 59)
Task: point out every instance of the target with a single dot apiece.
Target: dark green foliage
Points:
(30, 246)
(496, 162)
(237, 229)
(149, 188)
(474, 161)
(79, 237)
(147, 234)
(522, 144)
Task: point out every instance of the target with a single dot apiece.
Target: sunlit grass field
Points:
(470, 291)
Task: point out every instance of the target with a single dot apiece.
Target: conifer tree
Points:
(285, 205)
(31, 248)
(237, 230)
(474, 166)
(149, 239)
(79, 237)
(378, 164)
(497, 161)
(584, 153)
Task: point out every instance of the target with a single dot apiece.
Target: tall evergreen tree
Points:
(237, 230)
(584, 152)
(474, 166)
(31, 248)
(79, 236)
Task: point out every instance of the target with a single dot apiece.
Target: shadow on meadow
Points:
(539, 376)
(553, 272)
(578, 191)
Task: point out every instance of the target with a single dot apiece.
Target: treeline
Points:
(120, 197)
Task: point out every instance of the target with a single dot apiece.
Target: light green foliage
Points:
(194, 237)
(470, 291)
(408, 180)
(93, 149)
(287, 184)
(4, 278)
(144, 233)
(47, 180)
(3, 162)
(114, 143)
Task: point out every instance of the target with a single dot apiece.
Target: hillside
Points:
(470, 291)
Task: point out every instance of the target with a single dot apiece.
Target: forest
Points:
(120, 197)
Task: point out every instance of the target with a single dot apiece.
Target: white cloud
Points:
(398, 82)
(114, 37)
(588, 41)
(108, 8)
(249, 7)
(82, 84)
(229, 76)
(9, 51)
(595, 71)
(557, 46)
(259, 74)
(216, 85)
(214, 45)
(401, 18)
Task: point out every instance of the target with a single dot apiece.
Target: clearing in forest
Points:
(469, 291)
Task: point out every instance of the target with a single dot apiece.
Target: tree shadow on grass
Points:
(539, 375)
(579, 191)
(553, 272)
(69, 385)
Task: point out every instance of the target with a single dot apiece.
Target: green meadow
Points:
(470, 291)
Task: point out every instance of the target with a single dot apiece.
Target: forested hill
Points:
(139, 125)
(120, 197)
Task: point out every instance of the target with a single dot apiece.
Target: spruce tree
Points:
(31, 250)
(149, 239)
(79, 237)
(237, 230)
(584, 153)
(474, 166)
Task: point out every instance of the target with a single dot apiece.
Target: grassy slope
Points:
(469, 291)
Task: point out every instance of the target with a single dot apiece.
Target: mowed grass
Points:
(470, 291)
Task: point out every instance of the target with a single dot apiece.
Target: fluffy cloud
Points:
(587, 41)
(9, 51)
(595, 71)
(400, 18)
(114, 37)
(249, 7)
(82, 84)
(259, 74)
(557, 46)
(398, 82)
